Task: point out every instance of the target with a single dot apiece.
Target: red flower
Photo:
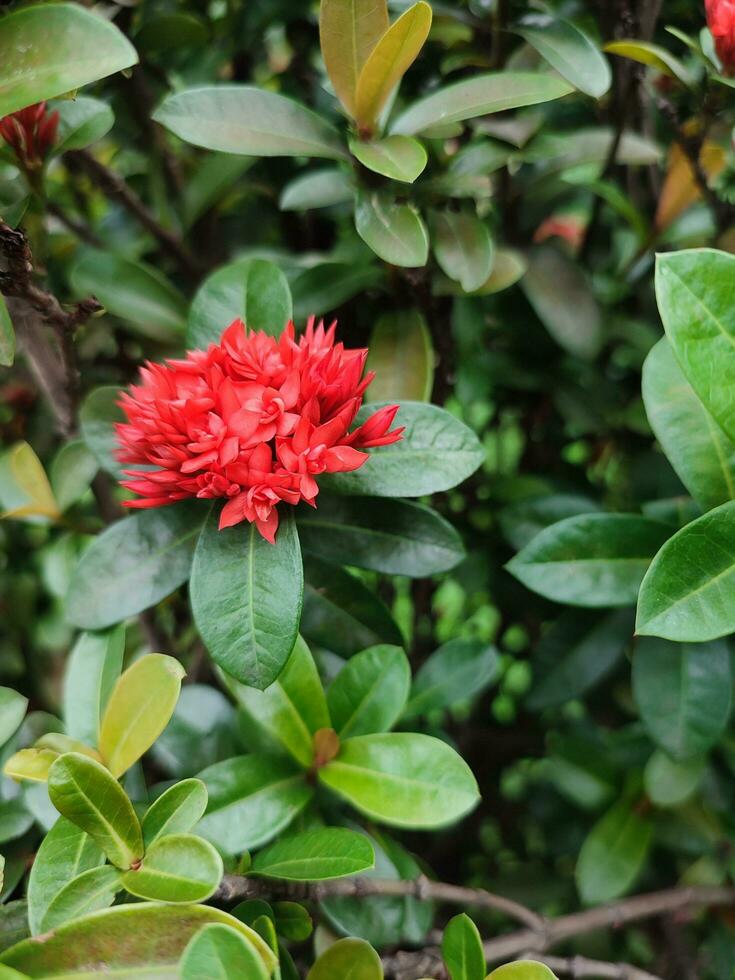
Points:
(31, 132)
(721, 22)
(252, 419)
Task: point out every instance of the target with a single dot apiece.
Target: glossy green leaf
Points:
(593, 560)
(292, 709)
(395, 537)
(695, 445)
(457, 671)
(134, 564)
(93, 889)
(176, 868)
(97, 417)
(523, 520)
(324, 287)
(670, 783)
(435, 452)
(84, 792)
(251, 290)
(462, 949)
(560, 293)
(347, 959)
(12, 712)
(370, 691)
(139, 708)
(81, 121)
(686, 594)
(246, 596)
(49, 49)
(316, 855)
(395, 232)
(251, 800)
(402, 356)
(244, 119)
(398, 157)
(654, 55)
(7, 336)
(389, 60)
(72, 470)
(613, 854)
(218, 951)
(478, 96)
(522, 970)
(176, 811)
(570, 51)
(463, 247)
(402, 779)
(348, 32)
(65, 852)
(134, 292)
(684, 693)
(92, 669)
(128, 940)
(317, 189)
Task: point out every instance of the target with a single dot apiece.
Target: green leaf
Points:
(15, 820)
(30, 764)
(613, 854)
(509, 267)
(246, 597)
(89, 891)
(81, 121)
(686, 594)
(65, 852)
(12, 712)
(570, 51)
(24, 487)
(251, 290)
(592, 560)
(395, 537)
(219, 951)
(324, 287)
(13, 926)
(653, 55)
(348, 32)
(135, 939)
(522, 970)
(292, 709)
(402, 779)
(134, 564)
(684, 694)
(215, 175)
(370, 691)
(669, 783)
(49, 49)
(139, 708)
(7, 336)
(699, 318)
(97, 417)
(200, 732)
(176, 868)
(478, 96)
(72, 470)
(395, 232)
(462, 949)
(457, 671)
(522, 521)
(251, 800)
(402, 356)
(398, 157)
(92, 669)
(389, 61)
(697, 448)
(84, 792)
(136, 293)
(317, 189)
(176, 811)
(315, 855)
(463, 247)
(244, 119)
(347, 959)
(435, 452)
(558, 290)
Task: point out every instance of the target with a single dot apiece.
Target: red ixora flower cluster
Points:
(31, 133)
(253, 419)
(721, 22)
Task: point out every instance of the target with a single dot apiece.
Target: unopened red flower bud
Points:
(31, 132)
(721, 22)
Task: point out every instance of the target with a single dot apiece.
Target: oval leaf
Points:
(98, 415)
(92, 669)
(463, 247)
(397, 157)
(457, 671)
(91, 890)
(348, 32)
(402, 356)
(395, 232)
(219, 951)
(613, 855)
(570, 51)
(462, 949)
(176, 868)
(12, 712)
(317, 189)
(81, 121)
(522, 970)
(176, 811)
(7, 336)
(316, 855)
(370, 691)
(353, 958)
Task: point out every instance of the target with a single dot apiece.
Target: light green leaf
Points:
(30, 764)
(97, 417)
(24, 487)
(217, 952)
(317, 189)
(402, 779)
(139, 708)
(7, 336)
(398, 157)
(81, 121)
(176, 811)
(462, 949)
(72, 470)
(370, 692)
(570, 51)
(244, 119)
(654, 55)
(49, 49)
(246, 596)
(669, 783)
(176, 868)
(315, 855)
(251, 290)
(89, 891)
(12, 712)
(509, 267)
(92, 669)
(347, 959)
(395, 232)
(613, 854)
(522, 970)
(348, 32)
(457, 671)
(463, 247)
(84, 792)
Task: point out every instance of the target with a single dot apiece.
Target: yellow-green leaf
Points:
(7, 336)
(31, 764)
(25, 489)
(390, 59)
(402, 356)
(348, 32)
(139, 708)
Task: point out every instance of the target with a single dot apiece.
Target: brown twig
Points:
(580, 967)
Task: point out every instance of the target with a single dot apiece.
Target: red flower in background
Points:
(31, 133)
(253, 419)
(721, 22)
